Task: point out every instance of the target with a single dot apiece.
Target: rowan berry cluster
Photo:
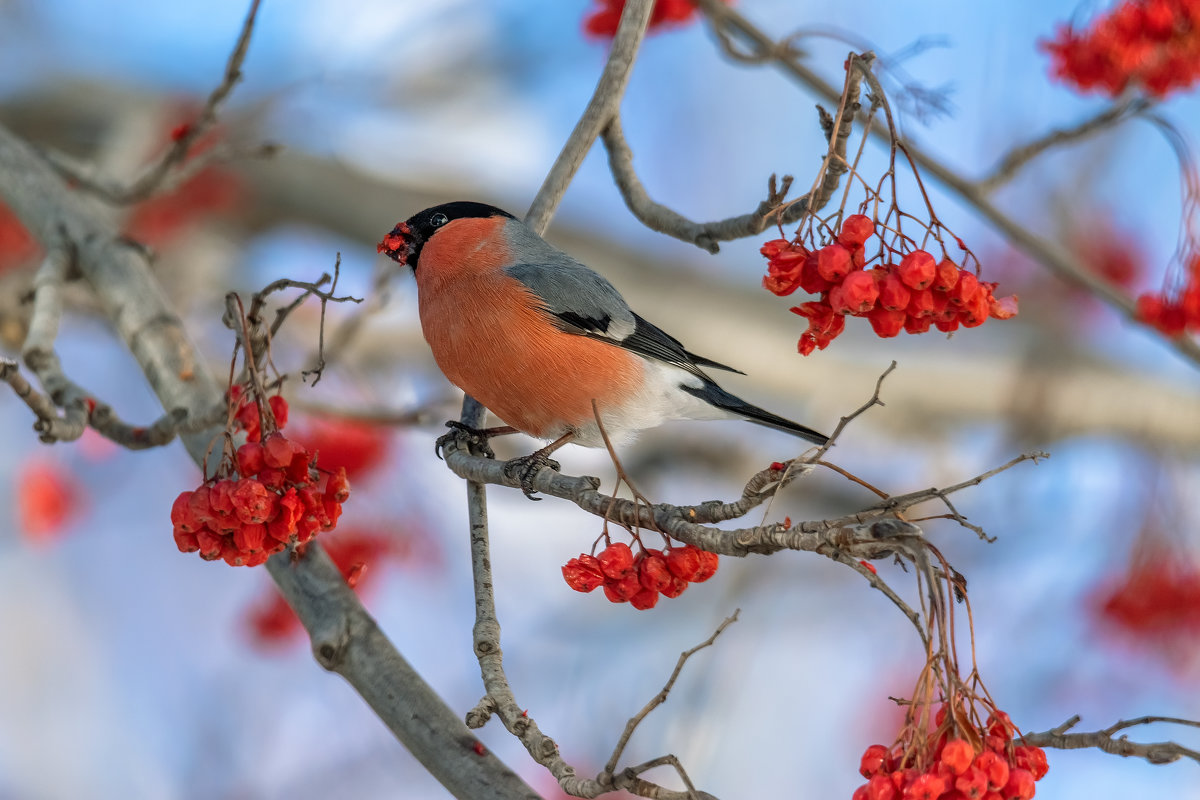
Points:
(914, 293)
(639, 580)
(983, 766)
(269, 494)
(1151, 44)
(1175, 313)
(603, 20)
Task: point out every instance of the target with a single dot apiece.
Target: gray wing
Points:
(584, 303)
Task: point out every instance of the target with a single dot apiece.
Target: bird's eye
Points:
(438, 220)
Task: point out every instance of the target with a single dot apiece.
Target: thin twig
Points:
(661, 697)
(1009, 165)
(153, 178)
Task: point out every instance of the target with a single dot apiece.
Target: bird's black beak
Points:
(398, 245)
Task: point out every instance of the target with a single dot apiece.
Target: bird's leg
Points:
(474, 438)
(527, 467)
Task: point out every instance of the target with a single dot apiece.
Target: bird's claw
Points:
(473, 438)
(526, 468)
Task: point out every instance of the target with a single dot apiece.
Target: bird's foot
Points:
(475, 439)
(526, 468)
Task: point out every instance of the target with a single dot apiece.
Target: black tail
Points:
(711, 393)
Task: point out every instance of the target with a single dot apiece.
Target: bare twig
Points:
(153, 178)
(1011, 163)
(661, 697)
(1153, 752)
(773, 210)
(1051, 255)
(605, 102)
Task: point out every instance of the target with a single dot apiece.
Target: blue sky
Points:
(131, 680)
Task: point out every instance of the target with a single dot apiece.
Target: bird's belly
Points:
(507, 354)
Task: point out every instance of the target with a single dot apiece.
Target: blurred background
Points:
(130, 670)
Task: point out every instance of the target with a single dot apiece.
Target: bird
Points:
(547, 344)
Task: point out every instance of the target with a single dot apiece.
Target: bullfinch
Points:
(536, 337)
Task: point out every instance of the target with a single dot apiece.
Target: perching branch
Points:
(1153, 752)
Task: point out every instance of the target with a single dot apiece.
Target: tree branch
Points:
(605, 102)
(1049, 254)
(1012, 162)
(154, 178)
(1153, 752)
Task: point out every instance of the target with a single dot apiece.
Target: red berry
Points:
(338, 488)
(1020, 785)
(278, 451)
(887, 324)
(250, 459)
(973, 783)
(874, 761)
(252, 502)
(925, 787)
(250, 538)
(957, 755)
(683, 562)
(859, 293)
(917, 269)
(833, 262)
(965, 289)
(856, 229)
(1032, 759)
(677, 587)
(186, 540)
(1000, 724)
(182, 516)
(616, 561)
(947, 276)
(811, 280)
(581, 576)
(644, 599)
(279, 408)
(708, 566)
(625, 587)
(880, 787)
(209, 544)
(893, 294)
(653, 572)
(995, 767)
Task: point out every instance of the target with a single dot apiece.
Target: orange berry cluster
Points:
(1153, 44)
(639, 580)
(268, 496)
(956, 769)
(913, 294)
(1175, 313)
